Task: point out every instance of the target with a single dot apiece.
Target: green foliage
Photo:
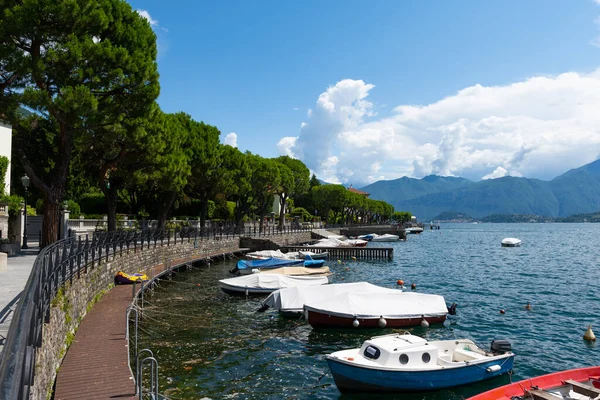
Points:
(3, 168)
(302, 214)
(14, 204)
(401, 217)
(92, 203)
(74, 209)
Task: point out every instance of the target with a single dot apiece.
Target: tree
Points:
(294, 181)
(264, 179)
(206, 159)
(236, 173)
(81, 66)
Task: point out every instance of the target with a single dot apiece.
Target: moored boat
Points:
(580, 383)
(261, 284)
(387, 237)
(413, 230)
(404, 363)
(248, 266)
(297, 271)
(510, 242)
(121, 278)
(290, 301)
(373, 310)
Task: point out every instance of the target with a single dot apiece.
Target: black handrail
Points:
(67, 258)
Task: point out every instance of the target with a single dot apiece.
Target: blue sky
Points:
(256, 68)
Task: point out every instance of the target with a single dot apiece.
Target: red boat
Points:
(575, 384)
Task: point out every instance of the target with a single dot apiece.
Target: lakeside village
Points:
(101, 188)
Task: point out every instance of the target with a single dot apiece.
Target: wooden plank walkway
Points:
(95, 366)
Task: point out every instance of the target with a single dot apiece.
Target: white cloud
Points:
(231, 139)
(147, 16)
(498, 173)
(285, 146)
(296, 109)
(539, 127)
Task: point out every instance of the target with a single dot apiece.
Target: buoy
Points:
(339, 261)
(528, 306)
(589, 334)
(199, 285)
(413, 286)
(355, 323)
(502, 311)
(424, 323)
(400, 282)
(382, 322)
(347, 268)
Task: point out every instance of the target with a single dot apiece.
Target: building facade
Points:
(6, 149)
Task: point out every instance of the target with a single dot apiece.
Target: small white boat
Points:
(290, 301)
(413, 230)
(510, 242)
(387, 237)
(267, 283)
(404, 362)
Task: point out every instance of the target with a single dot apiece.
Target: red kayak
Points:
(582, 383)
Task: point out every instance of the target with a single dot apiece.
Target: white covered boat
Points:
(511, 242)
(294, 255)
(267, 283)
(413, 230)
(371, 310)
(290, 301)
(408, 363)
(387, 237)
(324, 271)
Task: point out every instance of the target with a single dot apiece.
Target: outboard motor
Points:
(500, 346)
(452, 309)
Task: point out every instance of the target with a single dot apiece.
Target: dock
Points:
(347, 253)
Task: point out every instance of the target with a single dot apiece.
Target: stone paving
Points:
(12, 283)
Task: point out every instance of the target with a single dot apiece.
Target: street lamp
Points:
(25, 182)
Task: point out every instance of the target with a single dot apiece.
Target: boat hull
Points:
(322, 320)
(544, 382)
(351, 378)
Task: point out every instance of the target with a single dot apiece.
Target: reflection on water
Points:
(209, 344)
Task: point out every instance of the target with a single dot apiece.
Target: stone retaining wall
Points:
(74, 299)
(274, 242)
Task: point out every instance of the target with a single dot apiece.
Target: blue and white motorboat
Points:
(405, 363)
(245, 267)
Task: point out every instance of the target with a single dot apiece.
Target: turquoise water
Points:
(213, 345)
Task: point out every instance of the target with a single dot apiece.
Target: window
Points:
(426, 357)
(403, 359)
(372, 352)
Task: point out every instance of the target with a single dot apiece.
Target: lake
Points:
(212, 345)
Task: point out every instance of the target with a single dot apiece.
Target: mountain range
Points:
(577, 191)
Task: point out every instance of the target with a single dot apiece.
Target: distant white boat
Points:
(414, 229)
(373, 237)
(511, 242)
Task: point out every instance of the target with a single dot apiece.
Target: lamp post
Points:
(25, 182)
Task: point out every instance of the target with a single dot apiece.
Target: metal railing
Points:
(60, 263)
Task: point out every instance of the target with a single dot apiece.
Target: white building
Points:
(6, 149)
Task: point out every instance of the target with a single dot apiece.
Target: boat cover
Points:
(267, 263)
(269, 254)
(273, 281)
(293, 299)
(386, 237)
(372, 305)
(335, 242)
(297, 271)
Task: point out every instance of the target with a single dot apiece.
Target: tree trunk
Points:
(51, 217)
(166, 209)
(203, 212)
(110, 198)
(282, 200)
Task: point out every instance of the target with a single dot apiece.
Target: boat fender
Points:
(306, 315)
(413, 286)
(246, 292)
(382, 322)
(589, 334)
(424, 323)
(355, 323)
(493, 368)
(400, 282)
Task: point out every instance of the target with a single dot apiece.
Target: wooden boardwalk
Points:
(95, 366)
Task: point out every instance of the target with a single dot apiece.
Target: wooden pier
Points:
(346, 253)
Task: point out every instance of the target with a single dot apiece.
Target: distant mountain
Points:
(575, 192)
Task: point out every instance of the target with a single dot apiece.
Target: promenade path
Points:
(12, 283)
(95, 366)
